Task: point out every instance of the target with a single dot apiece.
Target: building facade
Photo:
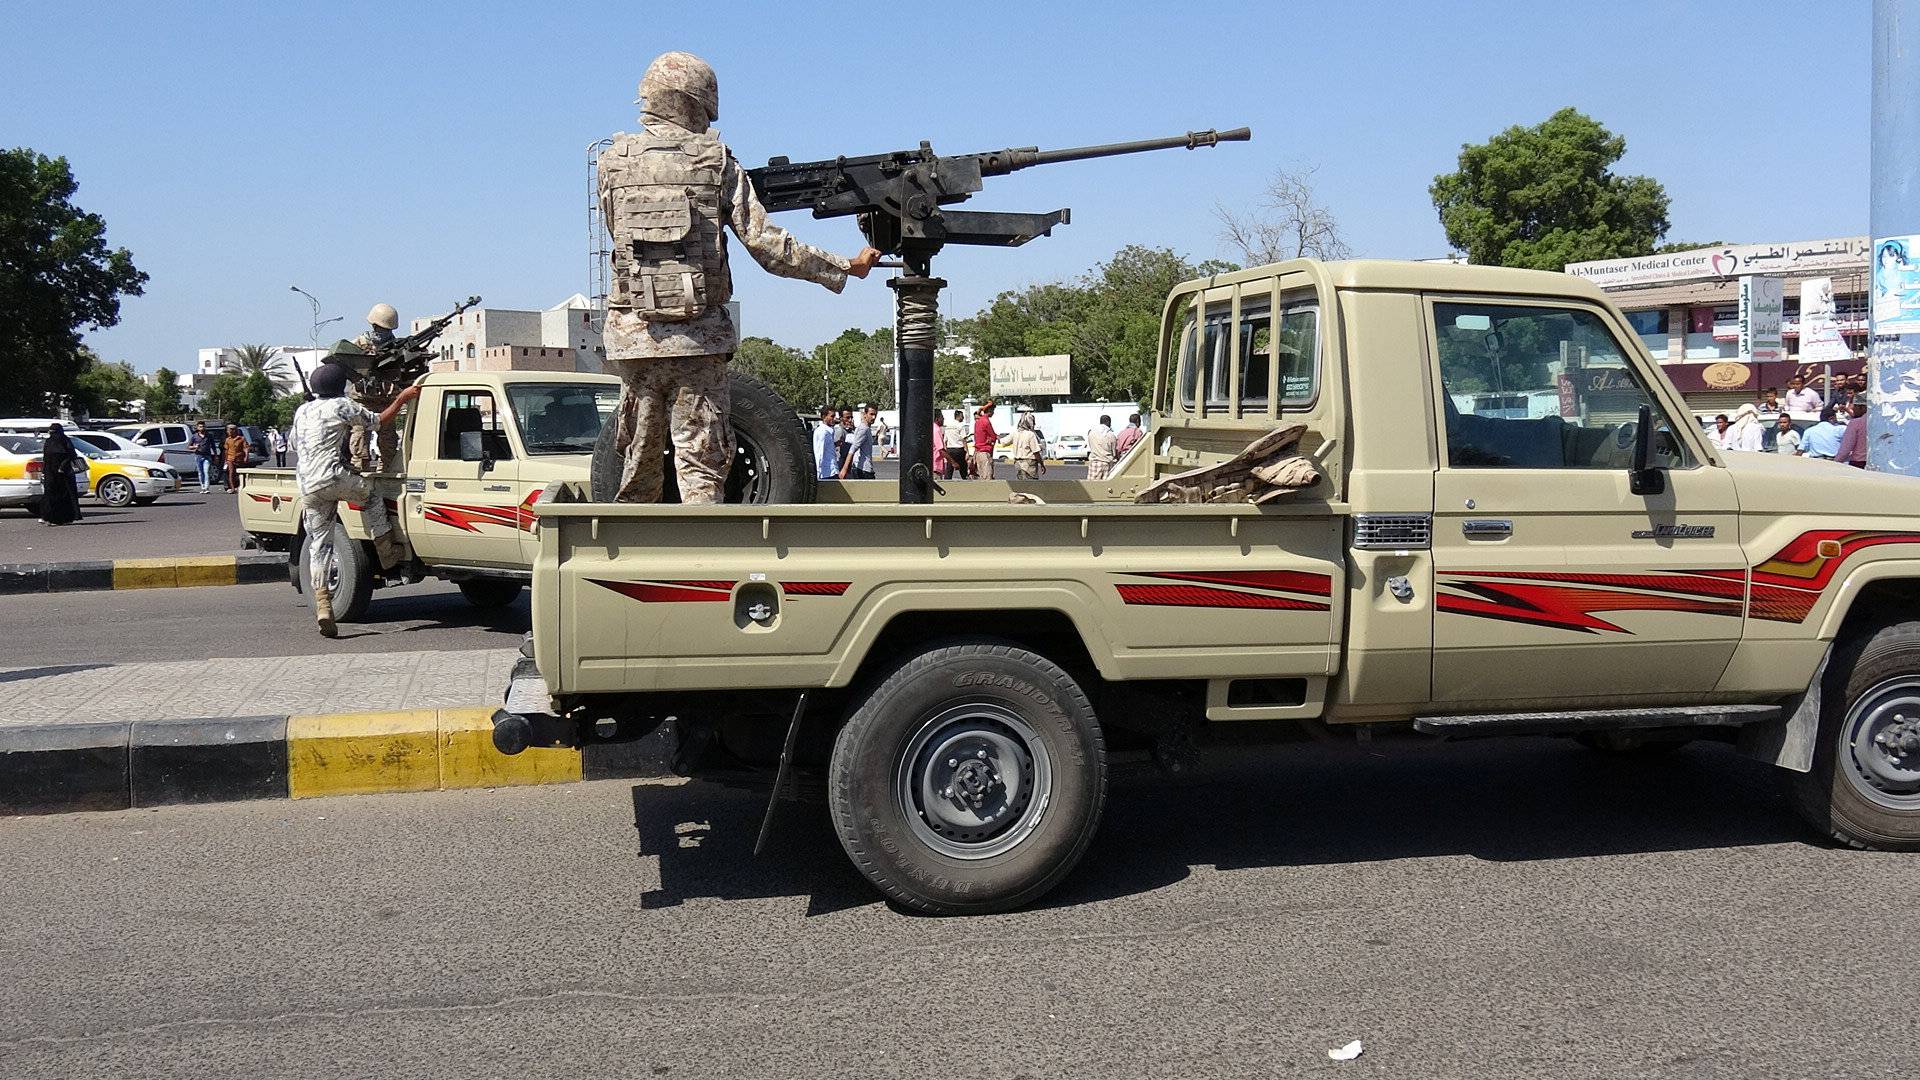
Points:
(1685, 306)
(564, 337)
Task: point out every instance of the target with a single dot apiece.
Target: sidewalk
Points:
(253, 686)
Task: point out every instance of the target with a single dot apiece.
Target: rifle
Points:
(404, 359)
(898, 199)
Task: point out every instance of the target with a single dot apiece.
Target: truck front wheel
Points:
(970, 780)
(1864, 789)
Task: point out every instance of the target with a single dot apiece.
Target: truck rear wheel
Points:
(351, 576)
(970, 780)
(772, 456)
(1864, 789)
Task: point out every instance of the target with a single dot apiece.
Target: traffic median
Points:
(169, 572)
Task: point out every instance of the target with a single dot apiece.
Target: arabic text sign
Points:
(1762, 302)
(1020, 376)
(1732, 260)
(1820, 340)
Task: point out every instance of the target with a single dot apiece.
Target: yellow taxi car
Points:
(20, 481)
(121, 481)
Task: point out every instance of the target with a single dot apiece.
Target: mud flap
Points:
(1788, 742)
(780, 777)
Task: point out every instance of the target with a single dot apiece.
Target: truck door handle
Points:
(498, 487)
(1487, 528)
(440, 484)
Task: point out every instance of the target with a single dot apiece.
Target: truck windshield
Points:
(561, 418)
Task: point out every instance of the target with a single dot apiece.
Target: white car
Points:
(1070, 448)
(169, 438)
(107, 444)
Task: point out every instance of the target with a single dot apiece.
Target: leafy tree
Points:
(1543, 196)
(957, 377)
(1672, 246)
(858, 367)
(57, 275)
(1291, 223)
(241, 399)
(284, 407)
(163, 397)
(791, 373)
(103, 389)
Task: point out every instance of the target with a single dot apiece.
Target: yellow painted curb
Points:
(362, 753)
(468, 758)
(417, 750)
(175, 572)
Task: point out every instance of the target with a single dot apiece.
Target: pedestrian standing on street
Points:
(1822, 440)
(1029, 451)
(235, 447)
(1718, 436)
(1746, 432)
(1770, 401)
(668, 194)
(858, 464)
(201, 445)
(941, 467)
(1800, 397)
(60, 463)
(1853, 440)
(321, 429)
(277, 441)
(1103, 449)
(955, 436)
(984, 439)
(1129, 435)
(1785, 439)
(826, 443)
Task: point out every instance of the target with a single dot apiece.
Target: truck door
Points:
(465, 510)
(1554, 580)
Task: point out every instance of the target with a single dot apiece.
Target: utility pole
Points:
(1893, 418)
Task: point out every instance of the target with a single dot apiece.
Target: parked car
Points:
(119, 446)
(20, 468)
(1070, 448)
(169, 438)
(118, 481)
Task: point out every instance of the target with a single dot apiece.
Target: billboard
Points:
(1026, 376)
(1820, 340)
(1762, 302)
(1726, 261)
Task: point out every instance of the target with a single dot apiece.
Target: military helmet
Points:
(685, 74)
(383, 316)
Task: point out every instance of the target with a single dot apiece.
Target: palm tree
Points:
(258, 359)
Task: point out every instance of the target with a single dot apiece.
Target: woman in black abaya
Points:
(59, 464)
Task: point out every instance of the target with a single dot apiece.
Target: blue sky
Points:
(419, 153)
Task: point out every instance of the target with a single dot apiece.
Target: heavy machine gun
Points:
(899, 199)
(402, 360)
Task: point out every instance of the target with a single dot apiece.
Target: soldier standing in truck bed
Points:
(666, 193)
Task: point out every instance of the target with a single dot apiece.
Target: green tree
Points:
(163, 397)
(858, 366)
(103, 389)
(1542, 197)
(57, 275)
(790, 372)
(957, 377)
(241, 399)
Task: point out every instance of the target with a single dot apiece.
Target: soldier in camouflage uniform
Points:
(667, 194)
(382, 320)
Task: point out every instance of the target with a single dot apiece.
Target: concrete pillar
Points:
(1893, 425)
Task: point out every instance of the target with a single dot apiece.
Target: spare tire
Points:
(772, 453)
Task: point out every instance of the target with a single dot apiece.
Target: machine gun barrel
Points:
(1026, 157)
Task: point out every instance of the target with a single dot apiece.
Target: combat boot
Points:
(391, 549)
(323, 611)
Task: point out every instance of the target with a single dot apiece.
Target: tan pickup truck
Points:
(1461, 568)
(464, 504)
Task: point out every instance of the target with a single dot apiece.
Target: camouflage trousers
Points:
(320, 508)
(682, 398)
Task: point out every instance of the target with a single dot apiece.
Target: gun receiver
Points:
(898, 195)
(404, 359)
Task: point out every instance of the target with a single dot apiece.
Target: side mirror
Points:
(1642, 477)
(473, 447)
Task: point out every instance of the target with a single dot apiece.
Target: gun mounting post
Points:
(899, 199)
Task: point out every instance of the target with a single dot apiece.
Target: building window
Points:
(469, 350)
(1648, 323)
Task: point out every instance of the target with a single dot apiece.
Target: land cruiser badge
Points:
(1675, 532)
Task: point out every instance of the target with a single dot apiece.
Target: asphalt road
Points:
(240, 620)
(1480, 910)
(181, 523)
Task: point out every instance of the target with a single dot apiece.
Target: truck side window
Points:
(1541, 388)
(471, 410)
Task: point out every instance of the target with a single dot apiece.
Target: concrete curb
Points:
(59, 768)
(173, 572)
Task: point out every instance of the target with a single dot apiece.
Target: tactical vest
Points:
(661, 196)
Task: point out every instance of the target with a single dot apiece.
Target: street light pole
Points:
(311, 299)
(1893, 435)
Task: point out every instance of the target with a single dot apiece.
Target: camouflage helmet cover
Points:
(684, 75)
(383, 316)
